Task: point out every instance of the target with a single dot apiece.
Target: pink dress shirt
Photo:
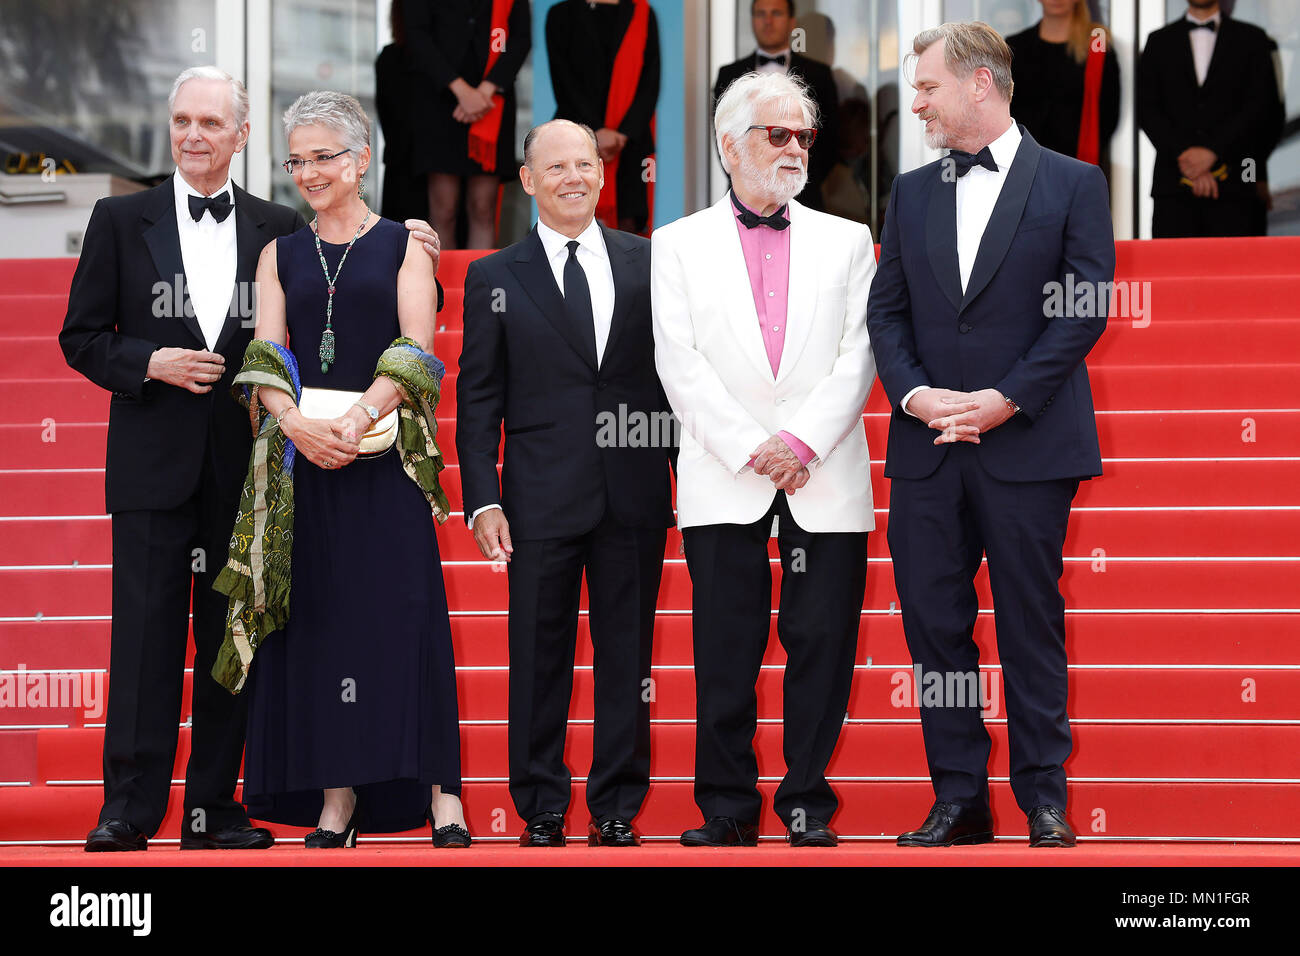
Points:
(767, 260)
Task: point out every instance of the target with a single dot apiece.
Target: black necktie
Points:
(763, 59)
(219, 205)
(577, 300)
(1206, 25)
(966, 161)
(749, 219)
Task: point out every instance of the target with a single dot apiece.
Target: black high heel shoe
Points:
(453, 835)
(322, 839)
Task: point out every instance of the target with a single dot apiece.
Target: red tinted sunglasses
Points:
(778, 136)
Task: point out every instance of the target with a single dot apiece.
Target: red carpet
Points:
(1181, 578)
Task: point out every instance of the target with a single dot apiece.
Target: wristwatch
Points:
(1015, 409)
(369, 410)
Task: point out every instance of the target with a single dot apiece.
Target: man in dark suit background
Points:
(1208, 98)
(773, 21)
(558, 347)
(162, 324)
(993, 423)
(159, 313)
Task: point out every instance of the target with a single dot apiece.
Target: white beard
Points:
(771, 183)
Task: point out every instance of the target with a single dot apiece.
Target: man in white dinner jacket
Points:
(759, 309)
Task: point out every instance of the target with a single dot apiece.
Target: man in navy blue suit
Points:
(992, 425)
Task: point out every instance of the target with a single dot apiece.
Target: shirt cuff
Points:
(908, 397)
(802, 451)
(479, 511)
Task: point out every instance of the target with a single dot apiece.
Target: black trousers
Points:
(1177, 217)
(623, 567)
(939, 529)
(158, 557)
(823, 580)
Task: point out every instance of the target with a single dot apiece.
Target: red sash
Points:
(622, 91)
(483, 133)
(1090, 120)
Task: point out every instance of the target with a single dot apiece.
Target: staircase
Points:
(1182, 580)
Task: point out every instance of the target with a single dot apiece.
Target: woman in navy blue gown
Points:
(353, 722)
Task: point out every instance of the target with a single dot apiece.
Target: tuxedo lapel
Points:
(1005, 219)
(801, 292)
(1224, 44)
(1185, 62)
(250, 239)
(623, 258)
(941, 236)
(733, 279)
(163, 241)
(534, 274)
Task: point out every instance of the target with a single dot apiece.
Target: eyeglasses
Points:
(295, 166)
(778, 136)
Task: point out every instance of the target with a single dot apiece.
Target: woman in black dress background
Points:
(582, 41)
(458, 72)
(1048, 65)
(352, 715)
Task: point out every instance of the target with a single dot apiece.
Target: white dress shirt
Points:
(977, 194)
(594, 259)
(211, 259)
(1203, 45)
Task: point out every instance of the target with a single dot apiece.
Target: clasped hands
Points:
(775, 460)
(1196, 163)
(472, 102)
(960, 416)
(328, 443)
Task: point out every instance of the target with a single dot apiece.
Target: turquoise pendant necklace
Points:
(327, 337)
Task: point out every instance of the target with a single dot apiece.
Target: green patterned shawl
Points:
(257, 575)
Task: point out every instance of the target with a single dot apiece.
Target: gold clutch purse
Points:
(334, 403)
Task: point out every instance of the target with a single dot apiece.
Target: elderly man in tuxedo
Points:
(992, 425)
(761, 342)
(557, 348)
(159, 313)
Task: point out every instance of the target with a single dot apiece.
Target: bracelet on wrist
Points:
(280, 417)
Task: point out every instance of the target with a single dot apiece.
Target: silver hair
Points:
(238, 95)
(741, 101)
(966, 48)
(336, 111)
(532, 135)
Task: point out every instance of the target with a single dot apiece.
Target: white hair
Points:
(337, 111)
(740, 102)
(238, 95)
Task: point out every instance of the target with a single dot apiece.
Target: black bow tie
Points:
(749, 219)
(966, 161)
(219, 205)
(763, 59)
(1210, 25)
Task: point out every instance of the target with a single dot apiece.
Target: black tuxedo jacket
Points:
(822, 156)
(122, 306)
(1238, 113)
(523, 364)
(1051, 224)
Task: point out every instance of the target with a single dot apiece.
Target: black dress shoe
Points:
(115, 835)
(545, 829)
(322, 839)
(613, 832)
(814, 832)
(1047, 827)
(230, 838)
(951, 825)
(722, 831)
(452, 835)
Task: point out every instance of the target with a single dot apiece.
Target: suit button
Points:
(964, 328)
(601, 385)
